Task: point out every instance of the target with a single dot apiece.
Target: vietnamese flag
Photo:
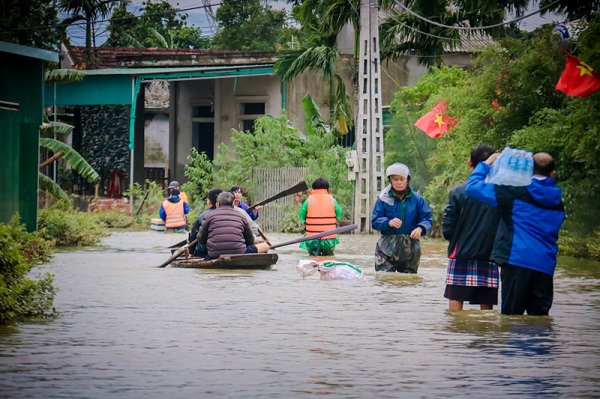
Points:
(578, 78)
(435, 123)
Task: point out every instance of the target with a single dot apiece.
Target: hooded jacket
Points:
(413, 210)
(530, 219)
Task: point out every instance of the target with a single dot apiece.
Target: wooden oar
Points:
(339, 230)
(293, 190)
(177, 253)
(260, 233)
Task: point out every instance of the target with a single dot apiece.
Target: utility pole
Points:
(366, 162)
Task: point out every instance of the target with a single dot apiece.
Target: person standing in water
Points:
(319, 213)
(470, 227)
(403, 217)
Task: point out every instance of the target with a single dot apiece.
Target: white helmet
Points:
(397, 169)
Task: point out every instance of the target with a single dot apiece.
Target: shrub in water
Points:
(70, 228)
(21, 297)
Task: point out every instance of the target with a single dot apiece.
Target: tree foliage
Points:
(248, 25)
(30, 23)
(275, 135)
(520, 76)
(159, 25)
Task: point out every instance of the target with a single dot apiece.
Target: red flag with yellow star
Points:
(578, 78)
(435, 123)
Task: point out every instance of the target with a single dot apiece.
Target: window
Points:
(249, 112)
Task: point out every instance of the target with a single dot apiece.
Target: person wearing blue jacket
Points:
(403, 217)
(526, 241)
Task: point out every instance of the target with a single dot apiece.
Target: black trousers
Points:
(525, 290)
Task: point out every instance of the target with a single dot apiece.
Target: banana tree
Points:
(72, 157)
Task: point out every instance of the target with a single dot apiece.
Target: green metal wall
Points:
(92, 90)
(22, 82)
(9, 164)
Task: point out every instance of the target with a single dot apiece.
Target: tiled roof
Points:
(471, 41)
(123, 57)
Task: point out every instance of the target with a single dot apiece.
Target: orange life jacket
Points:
(183, 197)
(320, 215)
(175, 214)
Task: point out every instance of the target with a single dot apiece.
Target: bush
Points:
(70, 228)
(21, 297)
(115, 220)
(290, 222)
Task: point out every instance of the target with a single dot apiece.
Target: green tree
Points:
(159, 25)
(248, 25)
(89, 11)
(30, 23)
(520, 76)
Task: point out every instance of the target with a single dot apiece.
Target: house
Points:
(139, 112)
(21, 106)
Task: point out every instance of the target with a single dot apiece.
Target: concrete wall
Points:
(156, 140)
(226, 96)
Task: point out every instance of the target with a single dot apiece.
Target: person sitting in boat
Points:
(174, 185)
(173, 212)
(319, 212)
(237, 192)
(224, 231)
(211, 203)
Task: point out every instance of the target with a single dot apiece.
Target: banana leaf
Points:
(313, 122)
(47, 184)
(64, 75)
(49, 128)
(72, 157)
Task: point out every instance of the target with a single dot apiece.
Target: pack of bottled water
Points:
(513, 167)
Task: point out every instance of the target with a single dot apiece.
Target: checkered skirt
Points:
(472, 273)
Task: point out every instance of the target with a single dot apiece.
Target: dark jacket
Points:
(413, 210)
(225, 231)
(198, 250)
(530, 219)
(469, 225)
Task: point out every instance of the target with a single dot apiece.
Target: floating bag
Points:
(330, 270)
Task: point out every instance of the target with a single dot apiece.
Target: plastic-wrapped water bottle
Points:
(514, 168)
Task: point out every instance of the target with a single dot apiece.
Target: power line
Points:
(83, 23)
(469, 27)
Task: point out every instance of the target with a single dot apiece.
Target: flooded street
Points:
(127, 329)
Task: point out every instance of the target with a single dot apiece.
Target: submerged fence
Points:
(270, 183)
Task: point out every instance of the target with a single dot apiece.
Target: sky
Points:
(198, 18)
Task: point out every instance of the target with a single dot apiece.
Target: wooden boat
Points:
(231, 262)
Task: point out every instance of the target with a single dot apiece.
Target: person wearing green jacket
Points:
(319, 212)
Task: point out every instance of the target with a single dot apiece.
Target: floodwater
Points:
(128, 329)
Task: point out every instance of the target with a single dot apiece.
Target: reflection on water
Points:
(130, 330)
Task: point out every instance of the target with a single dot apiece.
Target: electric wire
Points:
(469, 27)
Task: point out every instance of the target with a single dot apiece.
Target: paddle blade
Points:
(339, 230)
(292, 190)
(177, 253)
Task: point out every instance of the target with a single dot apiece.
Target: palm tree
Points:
(323, 20)
(89, 11)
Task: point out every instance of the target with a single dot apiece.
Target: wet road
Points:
(130, 330)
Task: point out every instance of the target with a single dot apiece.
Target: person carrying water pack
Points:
(526, 243)
(173, 211)
(319, 213)
(224, 231)
(470, 227)
(403, 217)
